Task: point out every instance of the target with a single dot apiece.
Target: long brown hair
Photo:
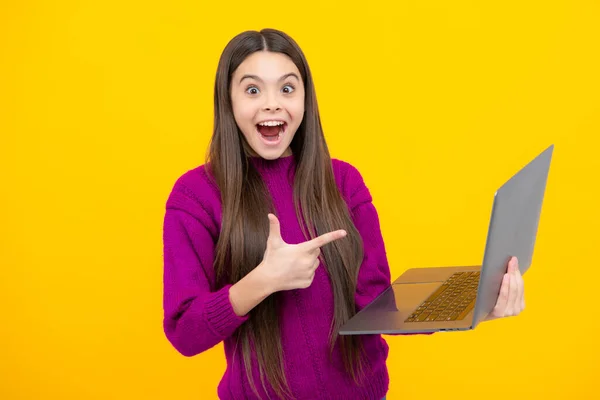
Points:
(246, 203)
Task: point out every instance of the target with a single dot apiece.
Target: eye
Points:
(288, 89)
(252, 90)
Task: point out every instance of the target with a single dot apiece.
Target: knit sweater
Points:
(198, 314)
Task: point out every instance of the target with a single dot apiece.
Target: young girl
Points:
(271, 245)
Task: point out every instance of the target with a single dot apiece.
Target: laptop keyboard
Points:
(452, 301)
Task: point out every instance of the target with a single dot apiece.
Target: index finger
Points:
(324, 239)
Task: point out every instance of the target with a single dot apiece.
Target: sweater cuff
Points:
(219, 314)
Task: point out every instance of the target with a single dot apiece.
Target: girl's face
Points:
(267, 95)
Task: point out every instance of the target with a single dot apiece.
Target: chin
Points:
(270, 155)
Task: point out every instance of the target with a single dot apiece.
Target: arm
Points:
(196, 317)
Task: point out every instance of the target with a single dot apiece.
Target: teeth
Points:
(271, 123)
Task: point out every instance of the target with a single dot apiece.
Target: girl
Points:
(271, 245)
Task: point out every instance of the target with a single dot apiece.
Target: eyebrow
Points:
(255, 77)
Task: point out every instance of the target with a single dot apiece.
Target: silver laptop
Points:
(458, 298)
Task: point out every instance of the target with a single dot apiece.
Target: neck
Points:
(262, 164)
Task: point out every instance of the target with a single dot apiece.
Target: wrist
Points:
(249, 291)
(262, 280)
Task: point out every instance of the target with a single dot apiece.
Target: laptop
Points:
(458, 298)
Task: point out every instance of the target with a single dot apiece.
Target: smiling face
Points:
(267, 96)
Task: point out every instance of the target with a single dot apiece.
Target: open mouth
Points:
(271, 131)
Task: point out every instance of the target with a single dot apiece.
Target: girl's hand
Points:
(292, 266)
(511, 300)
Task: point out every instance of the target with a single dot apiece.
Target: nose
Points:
(272, 108)
(271, 103)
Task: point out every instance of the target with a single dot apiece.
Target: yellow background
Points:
(104, 104)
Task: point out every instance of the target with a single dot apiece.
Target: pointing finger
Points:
(324, 239)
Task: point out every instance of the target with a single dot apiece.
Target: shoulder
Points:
(350, 182)
(196, 194)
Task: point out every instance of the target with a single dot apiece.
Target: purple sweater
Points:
(198, 315)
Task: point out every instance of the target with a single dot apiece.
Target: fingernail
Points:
(344, 233)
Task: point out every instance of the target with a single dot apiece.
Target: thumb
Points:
(274, 230)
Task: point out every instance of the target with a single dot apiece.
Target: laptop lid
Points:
(513, 229)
